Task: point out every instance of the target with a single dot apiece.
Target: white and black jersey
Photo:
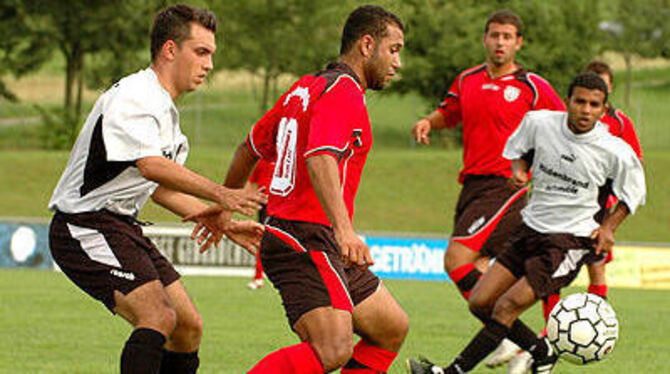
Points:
(135, 118)
(571, 172)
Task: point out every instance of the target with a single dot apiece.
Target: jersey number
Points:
(283, 178)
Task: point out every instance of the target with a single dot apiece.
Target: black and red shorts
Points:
(549, 261)
(303, 262)
(102, 252)
(488, 212)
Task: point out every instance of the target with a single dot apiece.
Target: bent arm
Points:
(325, 177)
(240, 168)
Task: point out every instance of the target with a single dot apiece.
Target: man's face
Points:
(585, 107)
(193, 58)
(380, 68)
(501, 43)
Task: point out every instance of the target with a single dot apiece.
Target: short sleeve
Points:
(629, 135)
(450, 107)
(522, 140)
(628, 181)
(330, 125)
(130, 130)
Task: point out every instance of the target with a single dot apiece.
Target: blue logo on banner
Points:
(408, 258)
(24, 246)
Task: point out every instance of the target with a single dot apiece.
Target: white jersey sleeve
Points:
(522, 140)
(131, 131)
(628, 181)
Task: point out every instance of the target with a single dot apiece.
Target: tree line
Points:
(103, 40)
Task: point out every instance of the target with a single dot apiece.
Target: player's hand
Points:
(421, 131)
(246, 200)
(246, 234)
(519, 179)
(605, 239)
(354, 250)
(210, 226)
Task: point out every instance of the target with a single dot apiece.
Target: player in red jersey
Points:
(318, 134)
(261, 178)
(489, 100)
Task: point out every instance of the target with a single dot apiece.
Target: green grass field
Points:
(49, 326)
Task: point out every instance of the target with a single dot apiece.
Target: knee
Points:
(451, 258)
(163, 319)
(334, 353)
(505, 311)
(191, 326)
(480, 307)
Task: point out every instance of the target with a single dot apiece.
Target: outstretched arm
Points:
(423, 127)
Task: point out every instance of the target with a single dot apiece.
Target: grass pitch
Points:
(47, 325)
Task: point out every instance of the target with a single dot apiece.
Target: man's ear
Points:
(367, 45)
(169, 50)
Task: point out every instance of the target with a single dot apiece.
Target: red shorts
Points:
(303, 262)
(102, 252)
(488, 212)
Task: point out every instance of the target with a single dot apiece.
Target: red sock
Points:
(465, 277)
(548, 304)
(296, 359)
(259, 266)
(368, 359)
(598, 289)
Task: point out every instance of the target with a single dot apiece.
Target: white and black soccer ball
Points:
(583, 328)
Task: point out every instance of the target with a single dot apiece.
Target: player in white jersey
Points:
(572, 156)
(132, 148)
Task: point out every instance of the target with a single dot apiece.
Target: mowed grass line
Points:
(49, 326)
(401, 190)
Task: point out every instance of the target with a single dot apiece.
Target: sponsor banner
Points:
(176, 245)
(24, 246)
(635, 266)
(408, 258)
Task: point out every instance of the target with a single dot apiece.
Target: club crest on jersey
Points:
(511, 93)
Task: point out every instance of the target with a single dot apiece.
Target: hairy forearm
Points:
(175, 177)
(325, 177)
(240, 168)
(615, 218)
(177, 202)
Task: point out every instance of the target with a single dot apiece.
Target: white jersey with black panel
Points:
(135, 118)
(571, 170)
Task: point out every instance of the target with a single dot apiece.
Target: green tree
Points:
(445, 37)
(111, 30)
(637, 28)
(273, 37)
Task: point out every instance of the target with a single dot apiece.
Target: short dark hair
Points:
(174, 23)
(599, 68)
(367, 20)
(590, 81)
(505, 17)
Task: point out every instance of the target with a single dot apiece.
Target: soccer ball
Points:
(583, 328)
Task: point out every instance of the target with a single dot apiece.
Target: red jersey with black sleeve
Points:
(322, 113)
(490, 110)
(620, 125)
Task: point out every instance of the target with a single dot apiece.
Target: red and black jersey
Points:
(322, 113)
(490, 110)
(620, 125)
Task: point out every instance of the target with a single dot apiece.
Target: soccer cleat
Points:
(546, 364)
(255, 284)
(423, 366)
(505, 351)
(520, 363)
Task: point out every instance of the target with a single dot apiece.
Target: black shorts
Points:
(488, 212)
(303, 262)
(102, 252)
(549, 261)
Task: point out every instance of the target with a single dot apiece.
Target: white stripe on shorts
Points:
(94, 245)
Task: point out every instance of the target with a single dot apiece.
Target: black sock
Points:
(525, 338)
(143, 352)
(179, 362)
(480, 346)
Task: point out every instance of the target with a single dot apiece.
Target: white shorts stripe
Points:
(94, 245)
